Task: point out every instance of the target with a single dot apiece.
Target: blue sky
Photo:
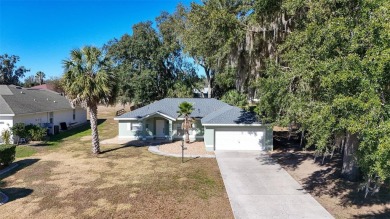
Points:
(42, 32)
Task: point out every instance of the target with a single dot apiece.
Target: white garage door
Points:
(239, 139)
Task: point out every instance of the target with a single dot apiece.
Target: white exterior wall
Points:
(5, 123)
(67, 116)
(58, 117)
(34, 119)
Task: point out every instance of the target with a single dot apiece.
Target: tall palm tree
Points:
(88, 81)
(39, 76)
(186, 108)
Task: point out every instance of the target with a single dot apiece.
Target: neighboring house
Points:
(220, 125)
(201, 93)
(39, 107)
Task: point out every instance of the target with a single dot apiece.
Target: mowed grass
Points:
(24, 151)
(67, 181)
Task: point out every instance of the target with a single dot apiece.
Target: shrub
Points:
(6, 136)
(35, 132)
(19, 130)
(7, 154)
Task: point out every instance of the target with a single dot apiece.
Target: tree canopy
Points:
(150, 63)
(9, 72)
(334, 80)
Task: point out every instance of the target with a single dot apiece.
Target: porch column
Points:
(170, 130)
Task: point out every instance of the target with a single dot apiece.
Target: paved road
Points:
(259, 188)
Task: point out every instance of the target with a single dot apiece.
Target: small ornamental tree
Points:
(185, 109)
(6, 136)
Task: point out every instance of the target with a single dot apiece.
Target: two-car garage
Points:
(238, 138)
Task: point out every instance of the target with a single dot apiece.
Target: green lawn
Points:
(24, 151)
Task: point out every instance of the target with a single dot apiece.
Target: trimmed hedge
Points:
(7, 154)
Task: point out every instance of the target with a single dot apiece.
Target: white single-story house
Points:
(220, 125)
(39, 107)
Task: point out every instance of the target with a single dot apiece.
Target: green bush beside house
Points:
(7, 155)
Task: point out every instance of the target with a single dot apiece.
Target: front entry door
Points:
(160, 124)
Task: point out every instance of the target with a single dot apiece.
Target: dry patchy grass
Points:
(70, 182)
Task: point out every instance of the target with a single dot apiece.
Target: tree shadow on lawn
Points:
(378, 214)
(328, 181)
(15, 193)
(288, 153)
(135, 143)
(21, 165)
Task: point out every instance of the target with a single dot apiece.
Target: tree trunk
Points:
(209, 81)
(187, 137)
(187, 134)
(350, 169)
(209, 89)
(94, 129)
(302, 138)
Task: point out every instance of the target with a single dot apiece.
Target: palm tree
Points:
(88, 81)
(39, 76)
(186, 109)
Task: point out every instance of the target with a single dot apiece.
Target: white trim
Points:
(235, 125)
(49, 111)
(147, 116)
(7, 114)
(159, 113)
(131, 119)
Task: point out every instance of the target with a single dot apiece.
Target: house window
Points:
(147, 126)
(74, 114)
(134, 126)
(51, 115)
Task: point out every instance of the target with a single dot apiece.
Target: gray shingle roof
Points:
(170, 106)
(16, 100)
(212, 111)
(230, 115)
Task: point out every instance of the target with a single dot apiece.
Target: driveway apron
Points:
(258, 187)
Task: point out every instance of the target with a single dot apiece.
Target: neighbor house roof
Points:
(212, 111)
(17, 100)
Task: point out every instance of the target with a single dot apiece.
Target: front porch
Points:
(158, 127)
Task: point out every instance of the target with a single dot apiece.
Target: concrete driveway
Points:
(259, 188)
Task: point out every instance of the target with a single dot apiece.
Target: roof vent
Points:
(198, 110)
(55, 101)
(21, 92)
(35, 100)
(47, 99)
